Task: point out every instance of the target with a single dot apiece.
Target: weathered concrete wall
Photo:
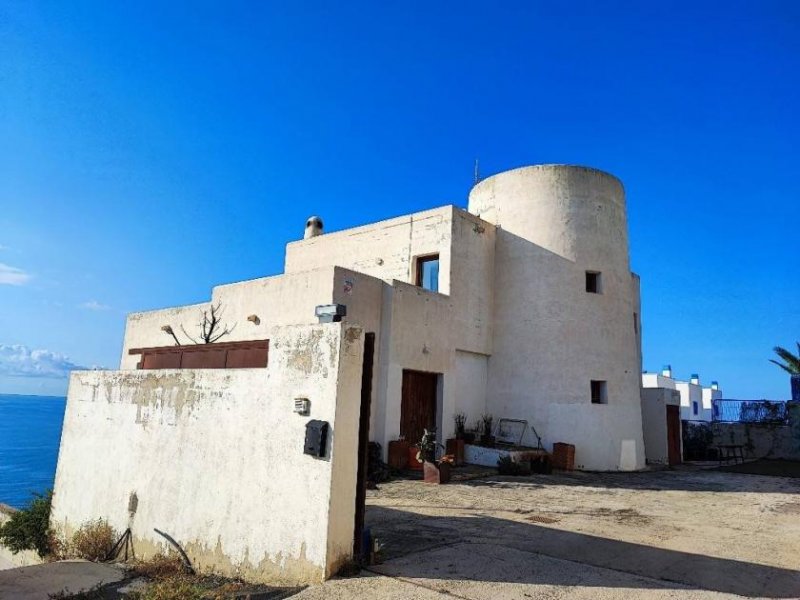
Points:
(763, 440)
(654, 423)
(215, 457)
(276, 301)
(551, 337)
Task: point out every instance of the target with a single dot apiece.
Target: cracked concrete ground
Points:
(668, 534)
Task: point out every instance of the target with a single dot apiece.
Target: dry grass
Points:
(159, 566)
(93, 541)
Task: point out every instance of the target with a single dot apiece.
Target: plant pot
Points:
(487, 441)
(413, 463)
(398, 454)
(468, 437)
(436, 472)
(456, 448)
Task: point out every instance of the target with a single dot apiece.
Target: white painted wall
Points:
(656, 380)
(709, 395)
(690, 393)
(385, 250)
(654, 422)
(551, 337)
(471, 373)
(215, 457)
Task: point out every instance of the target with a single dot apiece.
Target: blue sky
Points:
(151, 151)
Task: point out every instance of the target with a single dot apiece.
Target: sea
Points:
(30, 432)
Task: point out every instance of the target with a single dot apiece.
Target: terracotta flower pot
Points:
(436, 472)
(456, 448)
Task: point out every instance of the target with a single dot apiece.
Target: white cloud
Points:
(21, 361)
(12, 275)
(94, 305)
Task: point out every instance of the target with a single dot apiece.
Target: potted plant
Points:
(487, 439)
(433, 471)
(455, 446)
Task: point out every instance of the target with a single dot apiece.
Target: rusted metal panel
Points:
(161, 360)
(204, 358)
(229, 355)
(247, 358)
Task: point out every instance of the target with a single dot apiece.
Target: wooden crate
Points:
(563, 456)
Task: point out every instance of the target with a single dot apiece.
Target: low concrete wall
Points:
(9, 560)
(762, 440)
(215, 458)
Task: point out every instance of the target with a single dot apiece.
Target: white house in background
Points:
(696, 400)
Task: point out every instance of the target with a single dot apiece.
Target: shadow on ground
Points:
(764, 466)
(483, 548)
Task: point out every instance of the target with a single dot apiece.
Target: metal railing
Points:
(749, 411)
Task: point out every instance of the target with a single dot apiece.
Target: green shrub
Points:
(29, 528)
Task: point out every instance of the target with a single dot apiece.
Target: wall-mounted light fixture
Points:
(169, 331)
(330, 313)
(254, 319)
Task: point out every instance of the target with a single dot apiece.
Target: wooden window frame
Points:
(418, 262)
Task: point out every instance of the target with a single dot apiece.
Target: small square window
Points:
(594, 284)
(428, 272)
(599, 392)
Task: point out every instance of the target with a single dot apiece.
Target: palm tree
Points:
(791, 363)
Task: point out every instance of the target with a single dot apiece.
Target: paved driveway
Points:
(670, 534)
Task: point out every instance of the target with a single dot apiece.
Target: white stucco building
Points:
(522, 306)
(696, 399)
(527, 310)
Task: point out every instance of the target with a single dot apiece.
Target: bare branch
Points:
(187, 335)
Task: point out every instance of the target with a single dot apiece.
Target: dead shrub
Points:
(159, 566)
(176, 587)
(94, 540)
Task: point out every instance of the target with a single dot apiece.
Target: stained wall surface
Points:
(215, 458)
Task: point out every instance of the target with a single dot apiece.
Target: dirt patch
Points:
(790, 508)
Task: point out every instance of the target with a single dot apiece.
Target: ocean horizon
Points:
(30, 433)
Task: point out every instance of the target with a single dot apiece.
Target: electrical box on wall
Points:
(316, 438)
(302, 406)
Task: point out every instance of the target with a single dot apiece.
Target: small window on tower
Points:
(428, 272)
(695, 408)
(599, 392)
(593, 282)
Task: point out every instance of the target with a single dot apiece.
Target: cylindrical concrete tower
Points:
(566, 337)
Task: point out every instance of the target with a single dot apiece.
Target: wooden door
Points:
(418, 406)
(363, 444)
(674, 434)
